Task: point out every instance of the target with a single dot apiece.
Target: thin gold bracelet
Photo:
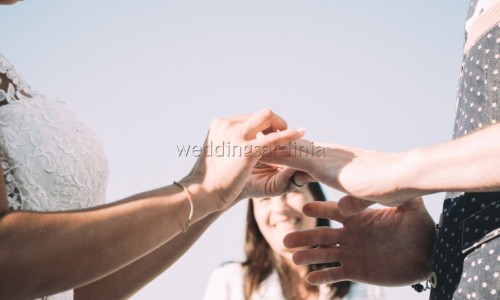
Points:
(190, 204)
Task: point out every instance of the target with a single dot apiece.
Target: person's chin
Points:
(285, 253)
(288, 226)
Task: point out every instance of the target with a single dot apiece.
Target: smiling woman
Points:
(53, 178)
(146, 86)
(277, 216)
(268, 271)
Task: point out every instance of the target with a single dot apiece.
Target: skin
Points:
(277, 216)
(390, 179)
(390, 246)
(119, 247)
(406, 175)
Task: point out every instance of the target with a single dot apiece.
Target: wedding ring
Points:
(292, 179)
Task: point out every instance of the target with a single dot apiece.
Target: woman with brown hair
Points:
(268, 271)
(59, 237)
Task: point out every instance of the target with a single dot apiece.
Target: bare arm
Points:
(40, 252)
(469, 164)
(465, 164)
(127, 281)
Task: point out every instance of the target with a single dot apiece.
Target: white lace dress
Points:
(50, 160)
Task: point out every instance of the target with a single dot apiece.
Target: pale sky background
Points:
(147, 76)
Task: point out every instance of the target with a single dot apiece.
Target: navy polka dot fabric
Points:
(469, 225)
(466, 258)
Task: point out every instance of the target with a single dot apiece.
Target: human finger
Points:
(349, 205)
(323, 210)
(328, 275)
(275, 139)
(296, 150)
(318, 255)
(281, 179)
(299, 179)
(290, 175)
(264, 120)
(319, 236)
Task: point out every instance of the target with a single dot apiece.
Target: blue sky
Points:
(147, 76)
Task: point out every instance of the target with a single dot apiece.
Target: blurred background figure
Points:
(268, 271)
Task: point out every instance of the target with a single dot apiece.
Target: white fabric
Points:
(226, 283)
(50, 160)
(481, 6)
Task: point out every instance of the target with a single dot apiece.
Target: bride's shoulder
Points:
(12, 86)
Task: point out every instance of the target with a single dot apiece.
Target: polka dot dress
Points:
(466, 258)
(481, 274)
(478, 102)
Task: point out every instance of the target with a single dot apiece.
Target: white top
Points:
(226, 283)
(50, 160)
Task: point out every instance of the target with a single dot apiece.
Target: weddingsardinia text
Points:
(228, 150)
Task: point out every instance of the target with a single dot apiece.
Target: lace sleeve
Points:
(12, 86)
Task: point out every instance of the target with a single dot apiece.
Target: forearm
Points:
(44, 253)
(468, 164)
(128, 280)
(60, 251)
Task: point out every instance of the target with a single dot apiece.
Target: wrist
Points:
(204, 198)
(406, 162)
(414, 172)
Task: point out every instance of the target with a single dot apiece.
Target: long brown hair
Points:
(261, 261)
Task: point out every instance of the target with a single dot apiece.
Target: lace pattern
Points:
(51, 161)
(12, 86)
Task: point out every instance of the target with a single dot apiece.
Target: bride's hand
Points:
(249, 137)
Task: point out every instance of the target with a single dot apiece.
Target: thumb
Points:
(349, 205)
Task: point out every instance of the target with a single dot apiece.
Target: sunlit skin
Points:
(120, 247)
(278, 216)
